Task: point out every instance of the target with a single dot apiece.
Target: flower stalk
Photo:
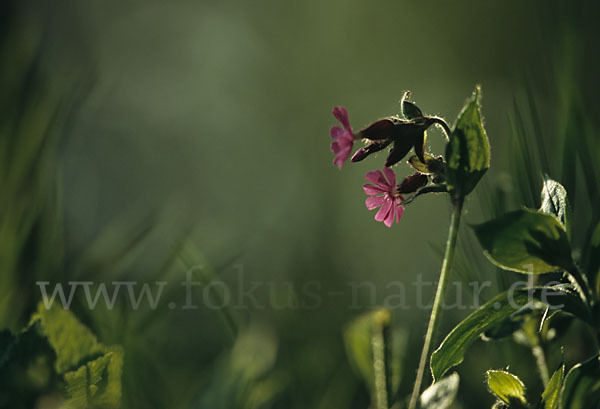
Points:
(436, 312)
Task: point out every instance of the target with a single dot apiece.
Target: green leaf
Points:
(97, 384)
(551, 395)
(493, 313)
(73, 342)
(526, 241)
(409, 109)
(468, 151)
(581, 389)
(506, 386)
(509, 326)
(441, 394)
(556, 202)
(91, 371)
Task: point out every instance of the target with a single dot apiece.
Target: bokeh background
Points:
(195, 133)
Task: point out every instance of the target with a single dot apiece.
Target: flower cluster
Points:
(402, 135)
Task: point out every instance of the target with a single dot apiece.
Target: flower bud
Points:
(412, 183)
(359, 155)
(372, 147)
(380, 130)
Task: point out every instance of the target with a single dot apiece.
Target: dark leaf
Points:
(526, 241)
(581, 389)
(409, 109)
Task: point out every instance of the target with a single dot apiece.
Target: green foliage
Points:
(506, 386)
(58, 355)
(441, 394)
(31, 111)
(526, 241)
(551, 395)
(74, 343)
(97, 383)
(581, 388)
(494, 313)
(468, 151)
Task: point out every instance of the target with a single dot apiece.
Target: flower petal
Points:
(336, 132)
(399, 212)
(345, 142)
(374, 202)
(391, 176)
(342, 155)
(341, 115)
(335, 147)
(389, 218)
(338, 161)
(375, 176)
(385, 209)
(373, 190)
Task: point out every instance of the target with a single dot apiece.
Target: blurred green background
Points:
(196, 133)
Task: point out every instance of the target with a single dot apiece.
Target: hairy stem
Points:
(436, 312)
(381, 360)
(540, 360)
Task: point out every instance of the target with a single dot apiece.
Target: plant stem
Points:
(381, 360)
(436, 312)
(443, 124)
(540, 360)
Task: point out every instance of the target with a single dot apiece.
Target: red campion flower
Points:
(384, 194)
(344, 138)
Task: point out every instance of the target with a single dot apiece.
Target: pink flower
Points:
(383, 192)
(344, 138)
